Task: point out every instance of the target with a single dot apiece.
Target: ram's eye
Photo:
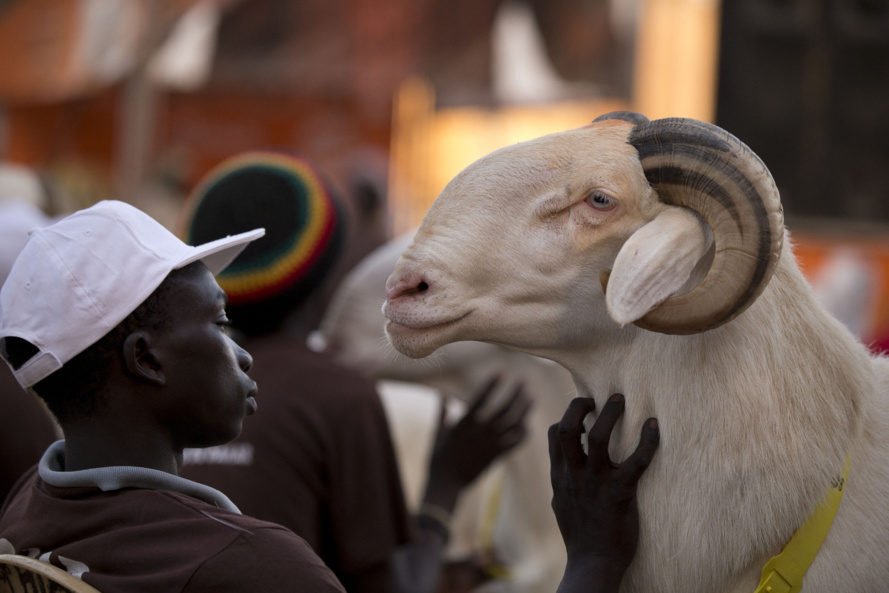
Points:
(601, 201)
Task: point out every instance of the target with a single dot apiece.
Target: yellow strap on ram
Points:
(784, 573)
(493, 568)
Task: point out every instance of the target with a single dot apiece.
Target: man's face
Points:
(207, 391)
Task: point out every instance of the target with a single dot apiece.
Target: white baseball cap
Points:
(76, 280)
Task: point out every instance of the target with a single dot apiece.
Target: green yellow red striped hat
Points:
(304, 222)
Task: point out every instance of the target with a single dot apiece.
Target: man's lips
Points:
(251, 400)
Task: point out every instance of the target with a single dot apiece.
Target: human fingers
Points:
(556, 457)
(506, 430)
(600, 433)
(483, 395)
(513, 411)
(570, 429)
(442, 428)
(512, 437)
(517, 393)
(634, 465)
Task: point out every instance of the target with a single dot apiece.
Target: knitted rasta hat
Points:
(305, 229)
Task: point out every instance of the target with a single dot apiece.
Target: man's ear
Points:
(141, 360)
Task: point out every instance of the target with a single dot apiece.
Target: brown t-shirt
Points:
(317, 457)
(26, 430)
(154, 538)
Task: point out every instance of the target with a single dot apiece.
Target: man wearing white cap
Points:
(120, 327)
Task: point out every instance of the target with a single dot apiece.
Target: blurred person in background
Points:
(318, 458)
(26, 426)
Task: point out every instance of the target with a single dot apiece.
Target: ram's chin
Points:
(416, 343)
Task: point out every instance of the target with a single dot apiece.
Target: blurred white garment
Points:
(17, 218)
(185, 60)
(19, 183)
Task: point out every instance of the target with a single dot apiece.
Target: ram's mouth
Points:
(422, 325)
(420, 338)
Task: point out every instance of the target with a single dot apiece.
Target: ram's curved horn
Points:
(630, 116)
(701, 166)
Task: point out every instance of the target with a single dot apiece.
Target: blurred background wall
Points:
(137, 99)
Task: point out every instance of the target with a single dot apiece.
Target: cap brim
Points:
(218, 254)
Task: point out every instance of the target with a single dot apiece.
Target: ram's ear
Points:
(654, 263)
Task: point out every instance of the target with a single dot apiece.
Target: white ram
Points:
(524, 536)
(651, 259)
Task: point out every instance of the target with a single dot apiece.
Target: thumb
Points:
(441, 427)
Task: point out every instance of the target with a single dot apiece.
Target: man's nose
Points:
(245, 361)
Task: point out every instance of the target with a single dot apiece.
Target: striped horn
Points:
(701, 166)
(630, 116)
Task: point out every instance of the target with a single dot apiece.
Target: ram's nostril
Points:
(407, 285)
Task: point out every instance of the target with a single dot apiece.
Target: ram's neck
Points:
(755, 418)
(783, 365)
